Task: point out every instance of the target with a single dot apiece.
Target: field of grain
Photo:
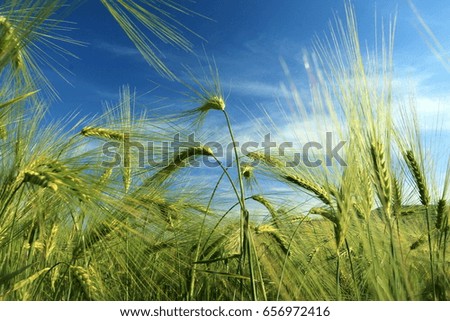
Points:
(74, 227)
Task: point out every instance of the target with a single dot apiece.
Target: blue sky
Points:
(247, 39)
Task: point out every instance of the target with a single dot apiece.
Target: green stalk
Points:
(430, 249)
(338, 274)
(245, 217)
(358, 298)
(197, 251)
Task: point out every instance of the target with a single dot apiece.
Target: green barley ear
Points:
(396, 197)
(134, 17)
(271, 161)
(105, 176)
(317, 190)
(214, 102)
(272, 211)
(441, 214)
(420, 241)
(30, 36)
(17, 99)
(104, 133)
(381, 174)
(247, 171)
(324, 212)
(39, 178)
(178, 162)
(248, 175)
(275, 234)
(84, 280)
(418, 176)
(205, 92)
(10, 44)
(26, 282)
(109, 134)
(54, 175)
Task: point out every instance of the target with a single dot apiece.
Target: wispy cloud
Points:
(257, 89)
(118, 50)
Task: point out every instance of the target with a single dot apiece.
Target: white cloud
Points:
(118, 50)
(256, 89)
(433, 112)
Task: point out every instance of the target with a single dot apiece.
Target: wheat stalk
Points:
(419, 179)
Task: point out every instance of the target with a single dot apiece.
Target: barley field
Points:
(84, 217)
